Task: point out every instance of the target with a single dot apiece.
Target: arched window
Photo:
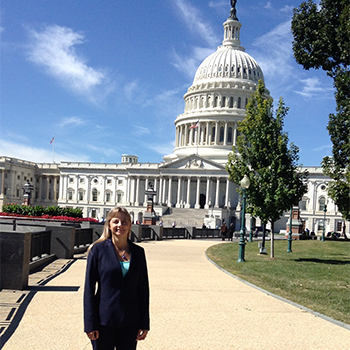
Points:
(229, 135)
(239, 102)
(222, 131)
(94, 195)
(231, 102)
(321, 203)
(223, 102)
(213, 134)
(246, 102)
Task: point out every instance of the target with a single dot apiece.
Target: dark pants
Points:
(119, 339)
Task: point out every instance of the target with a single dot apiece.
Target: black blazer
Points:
(118, 301)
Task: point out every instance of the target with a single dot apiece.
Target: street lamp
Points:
(324, 221)
(245, 183)
(290, 238)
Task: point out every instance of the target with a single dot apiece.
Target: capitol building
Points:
(191, 184)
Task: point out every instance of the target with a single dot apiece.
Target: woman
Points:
(116, 293)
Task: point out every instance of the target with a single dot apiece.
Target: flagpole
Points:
(53, 150)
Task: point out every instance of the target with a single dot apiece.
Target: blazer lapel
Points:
(110, 251)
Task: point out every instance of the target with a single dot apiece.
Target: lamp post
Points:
(289, 249)
(324, 221)
(245, 183)
(251, 229)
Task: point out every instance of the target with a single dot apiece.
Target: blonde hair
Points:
(106, 234)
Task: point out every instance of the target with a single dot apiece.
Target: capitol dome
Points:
(216, 100)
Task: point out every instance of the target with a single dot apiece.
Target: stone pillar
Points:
(207, 194)
(188, 200)
(216, 133)
(160, 190)
(164, 190)
(14, 260)
(169, 192)
(47, 188)
(40, 188)
(227, 192)
(3, 182)
(137, 191)
(225, 134)
(217, 192)
(178, 203)
(197, 206)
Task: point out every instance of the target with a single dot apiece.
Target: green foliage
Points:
(39, 211)
(261, 152)
(321, 40)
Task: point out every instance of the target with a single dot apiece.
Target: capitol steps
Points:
(184, 217)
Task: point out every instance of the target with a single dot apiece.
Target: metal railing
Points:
(40, 244)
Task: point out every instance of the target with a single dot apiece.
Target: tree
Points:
(261, 152)
(321, 41)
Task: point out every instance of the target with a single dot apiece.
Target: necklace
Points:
(121, 253)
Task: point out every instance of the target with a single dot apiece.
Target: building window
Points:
(339, 226)
(18, 177)
(302, 204)
(108, 196)
(119, 197)
(71, 180)
(231, 102)
(82, 180)
(223, 102)
(81, 195)
(222, 132)
(321, 203)
(229, 135)
(239, 104)
(94, 195)
(120, 182)
(109, 181)
(213, 134)
(70, 195)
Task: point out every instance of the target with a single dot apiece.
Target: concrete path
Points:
(194, 305)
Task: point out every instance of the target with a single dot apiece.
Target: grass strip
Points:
(316, 274)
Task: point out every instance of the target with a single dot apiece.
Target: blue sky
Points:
(107, 77)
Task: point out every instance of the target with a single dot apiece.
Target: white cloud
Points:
(194, 21)
(54, 48)
(35, 154)
(268, 6)
(312, 87)
(141, 130)
(189, 64)
(71, 121)
(275, 54)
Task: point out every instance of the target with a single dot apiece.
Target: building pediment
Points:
(192, 162)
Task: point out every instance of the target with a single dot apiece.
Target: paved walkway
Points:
(194, 305)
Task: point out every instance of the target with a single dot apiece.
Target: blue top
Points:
(125, 265)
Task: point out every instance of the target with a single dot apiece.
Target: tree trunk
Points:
(272, 252)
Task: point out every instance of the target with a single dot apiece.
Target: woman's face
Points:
(120, 225)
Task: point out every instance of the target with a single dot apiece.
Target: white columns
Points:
(207, 194)
(160, 190)
(217, 192)
(227, 192)
(188, 203)
(169, 192)
(137, 191)
(178, 203)
(225, 134)
(197, 205)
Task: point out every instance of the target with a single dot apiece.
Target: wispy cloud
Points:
(189, 64)
(54, 49)
(141, 130)
(36, 154)
(193, 19)
(71, 121)
(313, 87)
(274, 53)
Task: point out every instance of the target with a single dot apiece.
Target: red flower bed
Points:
(49, 217)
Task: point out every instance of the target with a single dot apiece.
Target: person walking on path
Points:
(116, 313)
(230, 231)
(223, 230)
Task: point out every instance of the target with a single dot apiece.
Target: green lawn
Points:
(316, 274)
